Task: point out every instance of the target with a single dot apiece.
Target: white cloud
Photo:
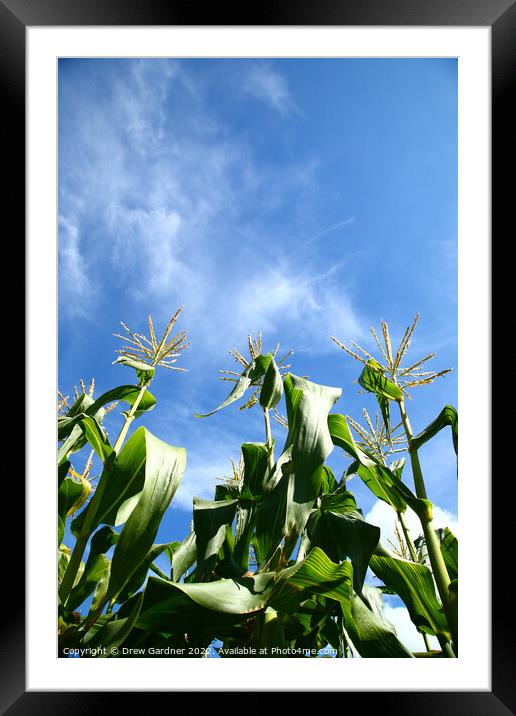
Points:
(75, 286)
(405, 629)
(384, 517)
(262, 82)
(167, 192)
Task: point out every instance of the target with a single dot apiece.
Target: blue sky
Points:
(298, 197)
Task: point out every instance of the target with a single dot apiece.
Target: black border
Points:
(500, 15)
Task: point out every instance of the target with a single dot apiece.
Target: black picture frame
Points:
(500, 16)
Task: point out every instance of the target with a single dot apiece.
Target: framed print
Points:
(303, 175)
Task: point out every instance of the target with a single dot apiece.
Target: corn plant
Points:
(275, 564)
(138, 480)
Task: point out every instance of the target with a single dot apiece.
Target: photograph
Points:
(258, 296)
(257, 404)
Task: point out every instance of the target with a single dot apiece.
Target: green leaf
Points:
(127, 393)
(115, 632)
(144, 371)
(210, 520)
(250, 376)
(385, 409)
(164, 466)
(447, 416)
(342, 437)
(60, 530)
(272, 388)
(73, 443)
(271, 514)
(206, 607)
(311, 444)
(63, 557)
(96, 437)
(376, 635)
(342, 532)
(378, 478)
(255, 458)
(316, 574)
(414, 584)
(119, 486)
(373, 380)
(66, 422)
(184, 556)
(328, 482)
(139, 576)
(255, 469)
(96, 570)
(450, 551)
(62, 472)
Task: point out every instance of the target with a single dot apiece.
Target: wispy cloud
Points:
(264, 83)
(330, 229)
(75, 283)
(172, 200)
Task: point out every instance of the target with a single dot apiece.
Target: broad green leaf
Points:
(63, 557)
(139, 576)
(95, 571)
(144, 371)
(62, 472)
(119, 486)
(164, 466)
(96, 437)
(272, 388)
(378, 478)
(447, 416)
(328, 482)
(86, 406)
(73, 443)
(397, 466)
(342, 532)
(255, 469)
(260, 365)
(373, 380)
(204, 607)
(376, 635)
(103, 540)
(271, 514)
(210, 520)
(255, 473)
(414, 584)
(184, 556)
(316, 574)
(311, 444)
(115, 632)
(66, 422)
(227, 491)
(69, 429)
(342, 437)
(127, 393)
(449, 549)
(313, 618)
